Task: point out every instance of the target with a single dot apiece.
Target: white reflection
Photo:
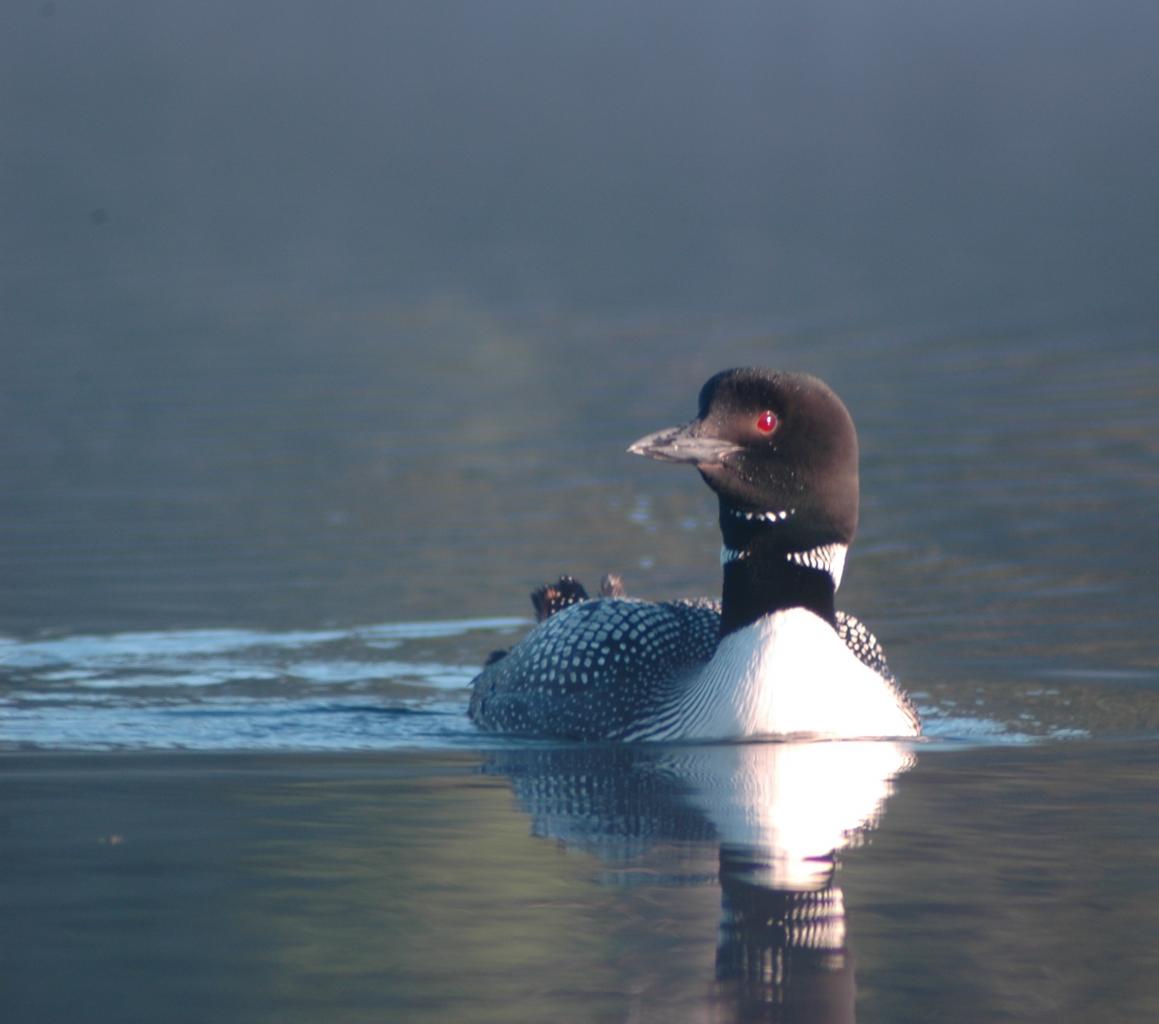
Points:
(788, 807)
(779, 814)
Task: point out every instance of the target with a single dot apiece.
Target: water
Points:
(405, 685)
(584, 884)
(322, 335)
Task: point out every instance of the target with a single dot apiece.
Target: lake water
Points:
(322, 335)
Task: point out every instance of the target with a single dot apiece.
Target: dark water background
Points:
(322, 331)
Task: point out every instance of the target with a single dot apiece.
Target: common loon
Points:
(774, 657)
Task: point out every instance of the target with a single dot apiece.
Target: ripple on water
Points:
(242, 689)
(403, 685)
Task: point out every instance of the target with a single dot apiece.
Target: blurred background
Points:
(332, 314)
(323, 330)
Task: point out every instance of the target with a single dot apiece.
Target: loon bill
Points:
(774, 657)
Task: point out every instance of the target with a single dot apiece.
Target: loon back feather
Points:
(594, 668)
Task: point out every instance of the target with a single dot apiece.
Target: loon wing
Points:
(594, 668)
(552, 598)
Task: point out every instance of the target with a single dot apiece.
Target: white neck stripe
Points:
(763, 517)
(828, 557)
(728, 555)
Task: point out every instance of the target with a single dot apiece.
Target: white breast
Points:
(788, 674)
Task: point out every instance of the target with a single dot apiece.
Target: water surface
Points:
(578, 884)
(322, 333)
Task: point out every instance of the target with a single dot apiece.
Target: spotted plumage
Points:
(595, 673)
(774, 656)
(594, 668)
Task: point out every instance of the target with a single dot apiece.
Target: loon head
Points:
(780, 451)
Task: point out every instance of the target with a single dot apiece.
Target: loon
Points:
(772, 658)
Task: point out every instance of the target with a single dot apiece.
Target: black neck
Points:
(764, 579)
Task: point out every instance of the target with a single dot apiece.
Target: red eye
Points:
(767, 422)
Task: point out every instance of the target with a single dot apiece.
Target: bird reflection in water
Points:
(780, 814)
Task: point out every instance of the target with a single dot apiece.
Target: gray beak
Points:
(683, 444)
